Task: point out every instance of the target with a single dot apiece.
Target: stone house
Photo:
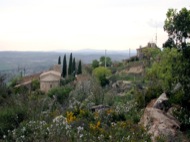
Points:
(49, 79)
(140, 53)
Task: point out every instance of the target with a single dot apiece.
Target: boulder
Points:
(121, 86)
(162, 102)
(158, 122)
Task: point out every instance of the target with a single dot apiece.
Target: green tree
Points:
(59, 60)
(163, 69)
(79, 71)
(74, 66)
(177, 25)
(95, 64)
(101, 73)
(35, 84)
(70, 64)
(64, 69)
(169, 43)
(108, 61)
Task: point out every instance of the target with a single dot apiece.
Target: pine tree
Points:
(70, 64)
(59, 60)
(64, 70)
(74, 66)
(79, 71)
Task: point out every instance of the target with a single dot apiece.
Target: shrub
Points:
(143, 97)
(61, 94)
(101, 73)
(10, 117)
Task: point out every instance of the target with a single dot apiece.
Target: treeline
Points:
(71, 69)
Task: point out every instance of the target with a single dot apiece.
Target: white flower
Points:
(79, 129)
(81, 135)
(23, 129)
(128, 137)
(4, 136)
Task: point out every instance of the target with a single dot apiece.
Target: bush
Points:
(10, 117)
(61, 94)
(143, 97)
(101, 73)
(67, 80)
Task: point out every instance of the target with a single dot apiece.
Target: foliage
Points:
(10, 118)
(35, 85)
(74, 66)
(163, 69)
(101, 73)
(172, 68)
(169, 43)
(150, 53)
(106, 60)
(95, 64)
(132, 59)
(183, 115)
(60, 93)
(70, 65)
(143, 97)
(3, 89)
(177, 24)
(79, 70)
(64, 68)
(59, 60)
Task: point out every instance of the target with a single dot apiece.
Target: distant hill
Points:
(33, 62)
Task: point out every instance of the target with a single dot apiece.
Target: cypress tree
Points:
(74, 66)
(70, 64)
(79, 68)
(59, 60)
(64, 69)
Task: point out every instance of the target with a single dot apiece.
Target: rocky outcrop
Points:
(158, 122)
(121, 86)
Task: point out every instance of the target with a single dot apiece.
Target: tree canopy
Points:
(59, 60)
(64, 69)
(95, 64)
(101, 73)
(108, 61)
(177, 25)
(70, 65)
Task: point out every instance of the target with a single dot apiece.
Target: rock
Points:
(99, 108)
(158, 122)
(162, 102)
(121, 86)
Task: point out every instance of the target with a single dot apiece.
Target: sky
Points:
(49, 25)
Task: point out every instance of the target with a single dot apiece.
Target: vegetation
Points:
(101, 73)
(59, 60)
(79, 71)
(177, 25)
(105, 61)
(95, 64)
(74, 66)
(64, 68)
(104, 103)
(70, 64)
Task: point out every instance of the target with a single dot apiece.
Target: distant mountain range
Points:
(96, 51)
(14, 62)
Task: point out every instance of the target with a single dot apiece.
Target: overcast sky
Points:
(42, 25)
